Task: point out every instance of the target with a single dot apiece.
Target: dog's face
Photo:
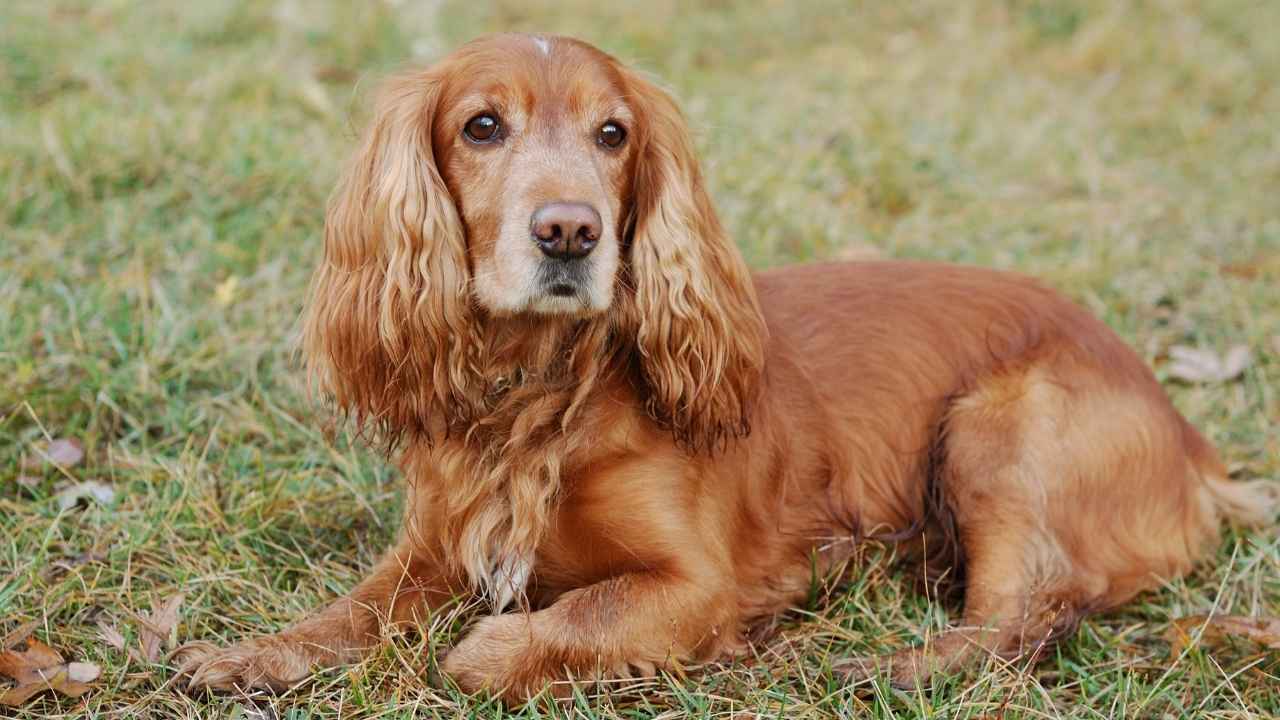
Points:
(532, 139)
(527, 176)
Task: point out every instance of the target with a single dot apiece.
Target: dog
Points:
(635, 450)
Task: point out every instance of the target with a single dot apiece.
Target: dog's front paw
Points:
(503, 654)
(273, 663)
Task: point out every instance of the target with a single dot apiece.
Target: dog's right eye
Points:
(482, 129)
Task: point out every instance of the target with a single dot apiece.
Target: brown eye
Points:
(482, 129)
(612, 134)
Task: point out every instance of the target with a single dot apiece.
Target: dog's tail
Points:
(1252, 503)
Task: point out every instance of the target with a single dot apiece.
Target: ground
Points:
(163, 169)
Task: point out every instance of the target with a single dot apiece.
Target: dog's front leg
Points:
(638, 621)
(407, 580)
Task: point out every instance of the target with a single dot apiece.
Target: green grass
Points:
(152, 153)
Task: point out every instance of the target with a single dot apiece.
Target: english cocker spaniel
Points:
(634, 448)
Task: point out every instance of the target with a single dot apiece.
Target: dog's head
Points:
(529, 177)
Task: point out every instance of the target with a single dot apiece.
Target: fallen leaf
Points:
(1200, 365)
(84, 558)
(314, 95)
(1262, 630)
(154, 629)
(335, 74)
(110, 635)
(39, 668)
(28, 481)
(1247, 271)
(1253, 268)
(68, 563)
(18, 634)
(71, 495)
(225, 293)
(1237, 361)
(66, 452)
(83, 672)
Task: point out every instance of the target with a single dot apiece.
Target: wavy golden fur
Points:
(649, 448)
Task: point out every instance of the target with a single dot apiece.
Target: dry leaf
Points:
(110, 635)
(155, 629)
(18, 634)
(71, 495)
(39, 668)
(66, 452)
(28, 481)
(1248, 271)
(335, 74)
(83, 558)
(1199, 365)
(83, 672)
(1238, 360)
(63, 452)
(225, 292)
(68, 563)
(314, 95)
(1262, 630)
(1261, 265)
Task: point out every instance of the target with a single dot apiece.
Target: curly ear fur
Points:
(698, 325)
(388, 304)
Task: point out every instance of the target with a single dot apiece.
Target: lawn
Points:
(163, 171)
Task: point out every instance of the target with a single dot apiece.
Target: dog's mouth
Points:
(561, 280)
(569, 289)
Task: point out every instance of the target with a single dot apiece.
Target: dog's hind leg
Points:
(1070, 492)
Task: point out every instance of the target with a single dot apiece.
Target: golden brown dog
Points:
(603, 416)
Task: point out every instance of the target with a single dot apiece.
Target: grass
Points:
(163, 168)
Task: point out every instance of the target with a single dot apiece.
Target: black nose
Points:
(565, 230)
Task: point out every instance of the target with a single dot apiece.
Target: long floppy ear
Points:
(384, 324)
(698, 326)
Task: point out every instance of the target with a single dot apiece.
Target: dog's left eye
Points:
(612, 134)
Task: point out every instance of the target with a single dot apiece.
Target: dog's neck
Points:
(532, 348)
